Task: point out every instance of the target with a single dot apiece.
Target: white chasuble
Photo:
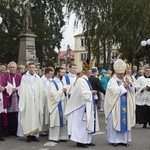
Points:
(31, 104)
(112, 103)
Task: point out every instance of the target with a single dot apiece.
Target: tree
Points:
(9, 29)
(131, 27)
(113, 22)
(48, 20)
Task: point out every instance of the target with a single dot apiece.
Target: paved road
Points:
(140, 141)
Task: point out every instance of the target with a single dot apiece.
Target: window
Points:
(83, 42)
(83, 56)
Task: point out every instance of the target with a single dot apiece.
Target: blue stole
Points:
(67, 79)
(123, 113)
(67, 82)
(59, 105)
(94, 105)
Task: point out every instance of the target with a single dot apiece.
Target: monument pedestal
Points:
(27, 50)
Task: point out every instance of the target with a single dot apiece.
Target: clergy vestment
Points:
(119, 108)
(46, 85)
(83, 110)
(30, 105)
(143, 101)
(69, 81)
(3, 108)
(12, 81)
(56, 104)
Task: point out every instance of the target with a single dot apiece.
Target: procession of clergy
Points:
(65, 104)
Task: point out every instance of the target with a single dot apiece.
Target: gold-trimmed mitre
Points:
(86, 65)
(128, 67)
(119, 66)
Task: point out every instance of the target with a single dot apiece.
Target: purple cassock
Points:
(5, 100)
(9, 78)
(12, 101)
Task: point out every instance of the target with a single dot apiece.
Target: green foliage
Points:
(48, 20)
(9, 30)
(131, 19)
(123, 22)
(105, 22)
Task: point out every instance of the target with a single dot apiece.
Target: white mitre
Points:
(120, 66)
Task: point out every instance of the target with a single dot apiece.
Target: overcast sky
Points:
(69, 32)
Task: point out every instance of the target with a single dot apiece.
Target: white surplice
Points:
(54, 96)
(143, 98)
(72, 79)
(46, 86)
(80, 106)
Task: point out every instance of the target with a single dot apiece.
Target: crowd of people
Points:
(65, 105)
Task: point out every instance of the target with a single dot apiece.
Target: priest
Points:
(31, 105)
(3, 108)
(69, 79)
(119, 106)
(46, 79)
(13, 79)
(143, 99)
(56, 105)
(82, 107)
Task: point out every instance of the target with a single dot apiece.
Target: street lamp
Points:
(147, 43)
(1, 20)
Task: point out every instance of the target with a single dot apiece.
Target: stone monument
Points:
(27, 51)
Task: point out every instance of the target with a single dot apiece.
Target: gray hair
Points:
(12, 63)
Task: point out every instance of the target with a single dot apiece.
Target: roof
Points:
(81, 34)
(63, 54)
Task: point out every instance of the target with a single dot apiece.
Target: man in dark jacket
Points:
(96, 85)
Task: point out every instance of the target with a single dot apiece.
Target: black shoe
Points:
(2, 139)
(35, 139)
(44, 134)
(29, 139)
(54, 141)
(145, 125)
(82, 145)
(115, 144)
(123, 144)
(90, 144)
(63, 141)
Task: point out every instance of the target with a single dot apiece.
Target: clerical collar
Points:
(146, 76)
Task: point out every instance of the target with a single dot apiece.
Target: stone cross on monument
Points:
(27, 51)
